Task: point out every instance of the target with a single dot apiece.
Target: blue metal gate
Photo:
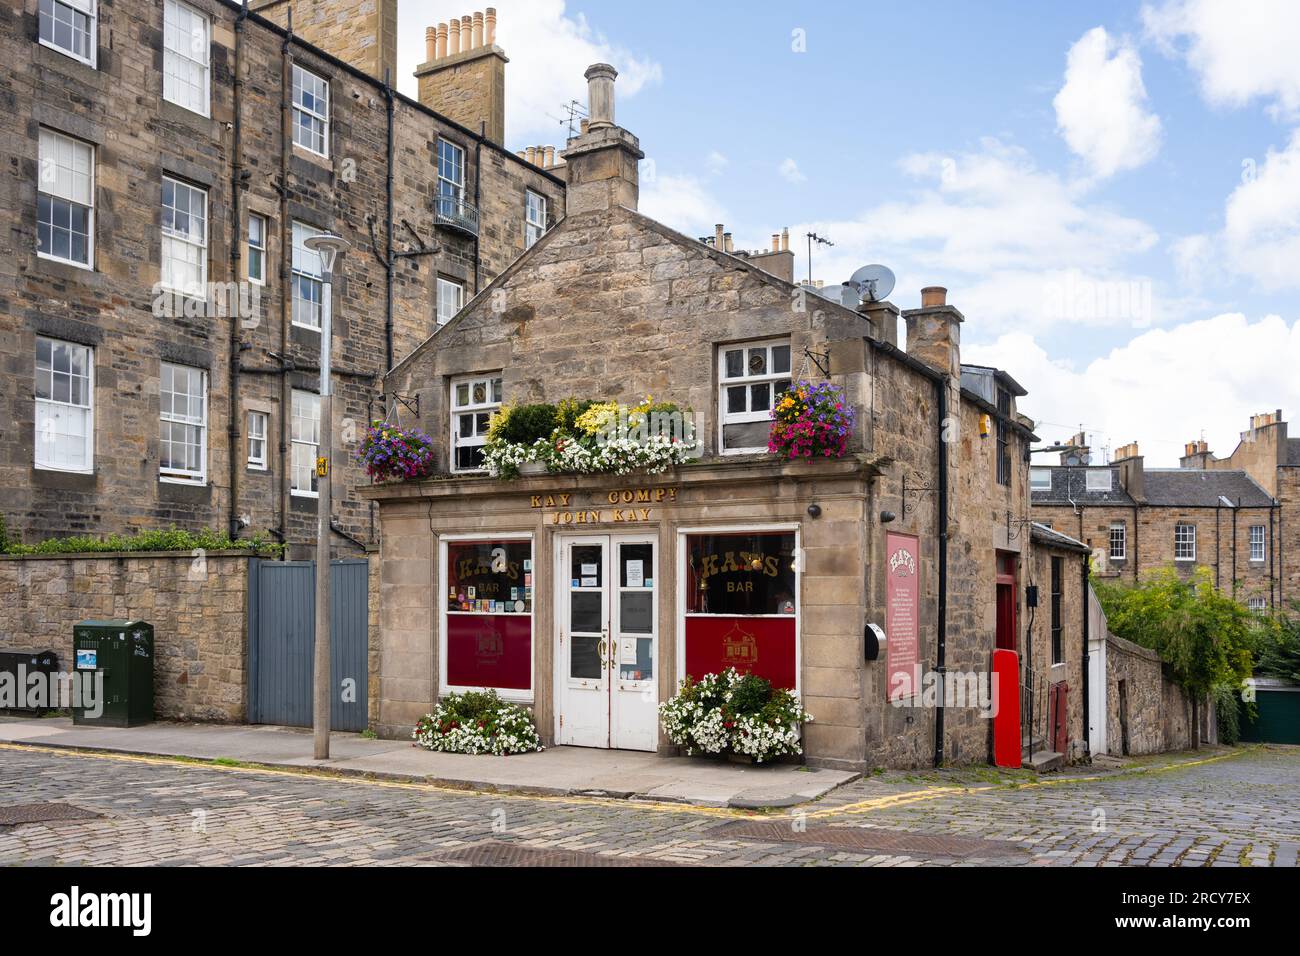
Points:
(281, 635)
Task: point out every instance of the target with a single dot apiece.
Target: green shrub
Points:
(172, 539)
(1279, 653)
(527, 423)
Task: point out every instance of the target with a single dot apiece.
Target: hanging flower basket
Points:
(393, 454)
(810, 420)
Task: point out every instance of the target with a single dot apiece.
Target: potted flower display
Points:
(391, 453)
(734, 714)
(810, 420)
(477, 723)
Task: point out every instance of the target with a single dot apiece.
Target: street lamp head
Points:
(329, 247)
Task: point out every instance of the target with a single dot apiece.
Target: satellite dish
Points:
(844, 295)
(873, 282)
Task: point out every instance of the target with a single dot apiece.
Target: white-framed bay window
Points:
(257, 428)
(534, 217)
(451, 299)
(184, 256)
(65, 200)
(183, 424)
(750, 375)
(1184, 541)
(69, 26)
(305, 448)
(1258, 549)
(474, 400)
(311, 111)
(65, 399)
(308, 278)
(187, 46)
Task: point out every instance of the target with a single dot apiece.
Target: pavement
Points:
(1216, 807)
(558, 771)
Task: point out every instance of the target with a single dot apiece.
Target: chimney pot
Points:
(430, 44)
(490, 26)
(776, 242)
(532, 154)
(442, 41)
(453, 37)
(933, 295)
(477, 35)
(549, 159)
(785, 239)
(600, 94)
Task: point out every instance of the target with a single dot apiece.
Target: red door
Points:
(1060, 718)
(1006, 602)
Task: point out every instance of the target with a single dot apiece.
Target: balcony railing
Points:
(453, 212)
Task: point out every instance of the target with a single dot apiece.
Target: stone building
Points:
(159, 311)
(1137, 519)
(587, 597)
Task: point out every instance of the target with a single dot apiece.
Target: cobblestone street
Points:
(1215, 809)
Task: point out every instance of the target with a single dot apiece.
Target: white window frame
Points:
(495, 394)
(258, 247)
(302, 110)
(299, 445)
(184, 240)
(725, 417)
(88, 9)
(61, 181)
(302, 262)
(1040, 486)
(259, 424)
(185, 476)
(445, 288)
(535, 207)
(1121, 553)
(1257, 605)
(57, 409)
(1182, 541)
(198, 55)
(1100, 479)
(455, 186)
(1258, 543)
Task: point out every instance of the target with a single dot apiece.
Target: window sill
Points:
(308, 328)
(200, 482)
(69, 54)
(305, 495)
(71, 263)
(255, 468)
(55, 470)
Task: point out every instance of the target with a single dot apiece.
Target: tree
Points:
(1203, 636)
(1280, 656)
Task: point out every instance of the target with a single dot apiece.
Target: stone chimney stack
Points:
(465, 76)
(361, 33)
(883, 317)
(1196, 454)
(602, 162)
(1131, 472)
(934, 332)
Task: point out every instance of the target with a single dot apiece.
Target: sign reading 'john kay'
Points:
(902, 612)
(626, 501)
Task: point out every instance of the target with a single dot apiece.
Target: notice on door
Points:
(902, 615)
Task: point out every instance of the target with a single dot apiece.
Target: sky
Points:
(1110, 191)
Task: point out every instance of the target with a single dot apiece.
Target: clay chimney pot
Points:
(934, 295)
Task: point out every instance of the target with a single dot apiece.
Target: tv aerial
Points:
(873, 283)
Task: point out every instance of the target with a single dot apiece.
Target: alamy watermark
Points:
(210, 300)
(953, 690)
(52, 690)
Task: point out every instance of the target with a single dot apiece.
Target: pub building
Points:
(588, 597)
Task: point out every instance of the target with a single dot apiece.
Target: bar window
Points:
(751, 376)
(473, 403)
(488, 640)
(65, 200)
(741, 599)
(69, 27)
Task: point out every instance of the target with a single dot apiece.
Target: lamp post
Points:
(329, 248)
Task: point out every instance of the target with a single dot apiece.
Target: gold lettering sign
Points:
(626, 500)
(616, 515)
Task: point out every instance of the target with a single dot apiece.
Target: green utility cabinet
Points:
(122, 651)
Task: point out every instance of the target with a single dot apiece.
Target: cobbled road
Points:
(1220, 808)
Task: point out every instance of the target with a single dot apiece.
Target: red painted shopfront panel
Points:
(490, 650)
(1006, 719)
(757, 645)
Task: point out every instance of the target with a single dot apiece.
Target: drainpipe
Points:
(1272, 578)
(1087, 726)
(478, 211)
(388, 252)
(236, 232)
(1218, 548)
(1137, 553)
(286, 270)
(941, 387)
(1234, 552)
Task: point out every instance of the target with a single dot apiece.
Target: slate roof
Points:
(1046, 535)
(1189, 487)
(1069, 484)
(1293, 451)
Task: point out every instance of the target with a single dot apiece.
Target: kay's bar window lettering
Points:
(65, 434)
(751, 376)
(741, 573)
(186, 73)
(311, 111)
(65, 199)
(490, 577)
(473, 402)
(184, 238)
(183, 414)
(69, 26)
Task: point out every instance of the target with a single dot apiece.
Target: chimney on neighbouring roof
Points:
(1078, 452)
(361, 33)
(602, 162)
(1131, 472)
(465, 76)
(934, 332)
(883, 317)
(1196, 454)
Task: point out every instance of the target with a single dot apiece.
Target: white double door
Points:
(607, 641)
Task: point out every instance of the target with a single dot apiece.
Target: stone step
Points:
(1045, 761)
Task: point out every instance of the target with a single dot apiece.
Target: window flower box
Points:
(734, 715)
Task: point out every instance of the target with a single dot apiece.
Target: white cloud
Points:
(789, 170)
(1101, 109)
(1241, 51)
(549, 51)
(1163, 388)
(681, 202)
(1017, 245)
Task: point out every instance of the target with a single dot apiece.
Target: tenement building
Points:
(160, 310)
(1204, 515)
(857, 580)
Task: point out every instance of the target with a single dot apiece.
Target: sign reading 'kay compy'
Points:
(902, 613)
(625, 506)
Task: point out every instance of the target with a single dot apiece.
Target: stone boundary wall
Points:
(1159, 712)
(198, 605)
